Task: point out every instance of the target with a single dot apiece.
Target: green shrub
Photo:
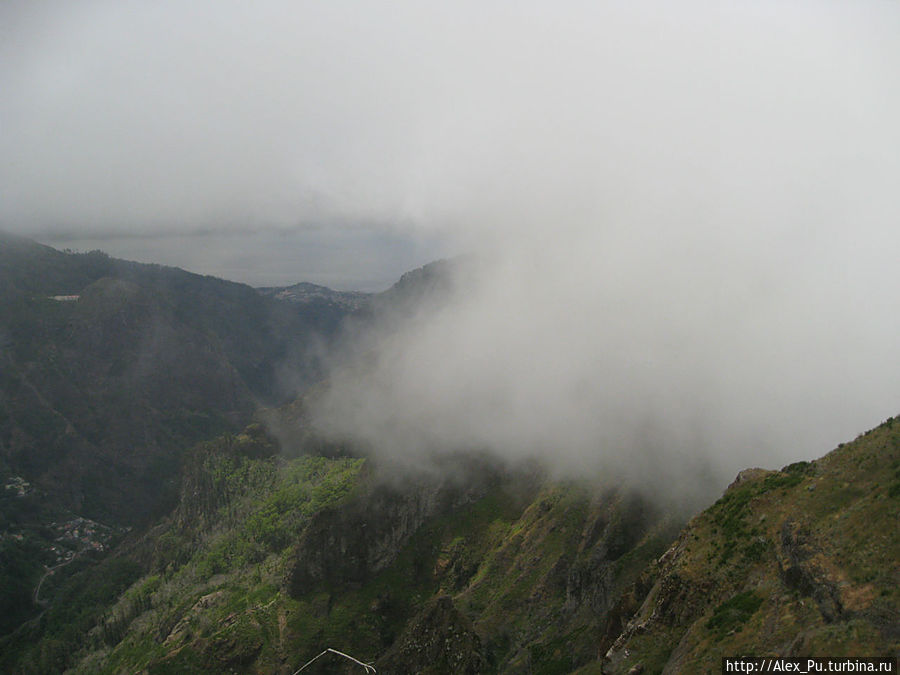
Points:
(782, 480)
(734, 613)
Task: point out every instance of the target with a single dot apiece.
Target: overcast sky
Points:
(689, 207)
(411, 125)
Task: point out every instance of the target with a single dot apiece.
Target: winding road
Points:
(50, 570)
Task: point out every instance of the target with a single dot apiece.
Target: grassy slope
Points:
(803, 561)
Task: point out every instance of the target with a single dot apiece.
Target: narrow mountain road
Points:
(50, 570)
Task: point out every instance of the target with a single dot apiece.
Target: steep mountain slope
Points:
(97, 392)
(267, 561)
(803, 561)
(239, 506)
(277, 550)
(108, 371)
(480, 568)
(425, 286)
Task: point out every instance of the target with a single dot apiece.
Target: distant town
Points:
(73, 537)
(78, 535)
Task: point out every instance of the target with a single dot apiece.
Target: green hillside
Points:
(109, 370)
(267, 561)
(799, 562)
(100, 390)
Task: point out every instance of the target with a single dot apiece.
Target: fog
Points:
(657, 358)
(684, 217)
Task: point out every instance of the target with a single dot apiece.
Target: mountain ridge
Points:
(109, 371)
(799, 562)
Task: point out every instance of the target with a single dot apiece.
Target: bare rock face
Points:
(439, 640)
(799, 571)
(345, 546)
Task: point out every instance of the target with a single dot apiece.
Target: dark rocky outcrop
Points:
(440, 639)
(799, 571)
(345, 546)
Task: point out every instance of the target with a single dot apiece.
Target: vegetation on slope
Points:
(267, 561)
(525, 570)
(804, 561)
(109, 370)
(192, 593)
(99, 395)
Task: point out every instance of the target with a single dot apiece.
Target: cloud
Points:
(155, 116)
(164, 118)
(687, 212)
(158, 116)
(687, 255)
(668, 361)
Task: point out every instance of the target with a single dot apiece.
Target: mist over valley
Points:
(447, 339)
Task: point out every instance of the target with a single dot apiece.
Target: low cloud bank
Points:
(691, 273)
(665, 360)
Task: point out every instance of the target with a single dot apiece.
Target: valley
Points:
(438, 338)
(167, 507)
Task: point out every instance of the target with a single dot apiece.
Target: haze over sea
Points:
(356, 259)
